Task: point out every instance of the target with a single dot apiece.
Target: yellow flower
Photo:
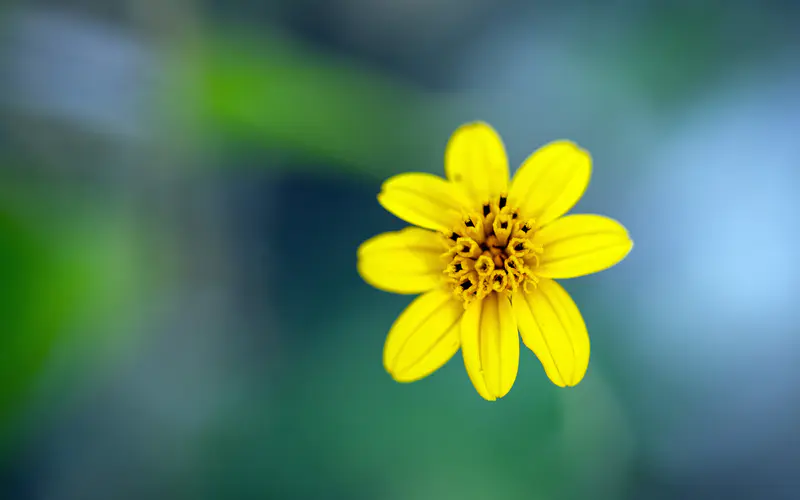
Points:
(484, 256)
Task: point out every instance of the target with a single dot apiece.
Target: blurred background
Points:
(183, 186)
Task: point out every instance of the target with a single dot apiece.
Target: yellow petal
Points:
(490, 345)
(424, 200)
(407, 261)
(550, 181)
(424, 337)
(476, 159)
(552, 327)
(582, 244)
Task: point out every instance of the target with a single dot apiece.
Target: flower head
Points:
(483, 254)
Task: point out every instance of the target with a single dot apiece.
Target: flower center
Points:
(491, 251)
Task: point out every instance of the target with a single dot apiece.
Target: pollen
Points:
(491, 251)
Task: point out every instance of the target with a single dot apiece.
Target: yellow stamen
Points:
(519, 246)
(491, 251)
(473, 228)
(502, 228)
(484, 266)
(459, 266)
(499, 281)
(467, 287)
(484, 287)
(467, 247)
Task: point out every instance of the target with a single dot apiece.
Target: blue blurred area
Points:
(183, 186)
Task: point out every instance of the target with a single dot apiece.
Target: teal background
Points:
(183, 186)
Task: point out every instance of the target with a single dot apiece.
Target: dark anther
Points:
(502, 201)
(484, 247)
(514, 215)
(498, 278)
(469, 223)
(457, 267)
(520, 247)
(504, 225)
(486, 210)
(454, 236)
(466, 284)
(525, 228)
(511, 264)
